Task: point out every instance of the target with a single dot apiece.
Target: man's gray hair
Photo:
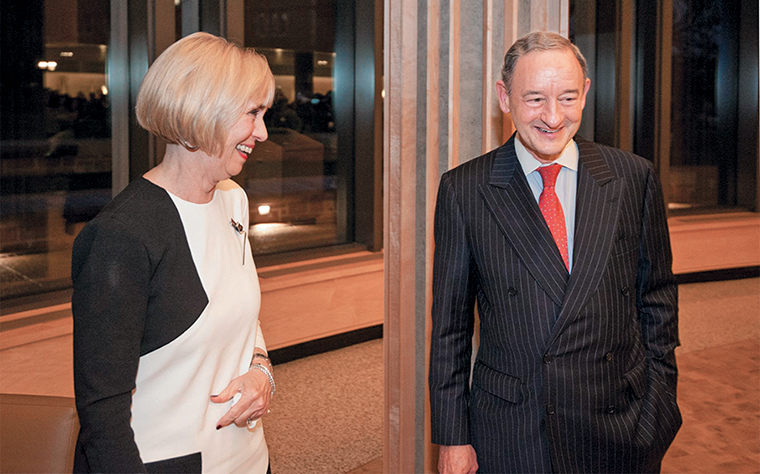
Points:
(537, 41)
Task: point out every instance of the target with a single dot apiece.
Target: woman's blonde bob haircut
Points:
(198, 88)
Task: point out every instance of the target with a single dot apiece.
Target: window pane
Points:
(56, 137)
(704, 103)
(292, 178)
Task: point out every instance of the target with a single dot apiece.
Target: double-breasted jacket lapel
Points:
(597, 207)
(509, 199)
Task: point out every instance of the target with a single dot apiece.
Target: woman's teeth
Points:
(245, 149)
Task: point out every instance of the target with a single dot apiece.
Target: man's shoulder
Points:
(477, 169)
(621, 162)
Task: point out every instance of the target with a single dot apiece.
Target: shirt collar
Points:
(568, 158)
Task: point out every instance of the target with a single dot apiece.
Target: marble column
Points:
(442, 60)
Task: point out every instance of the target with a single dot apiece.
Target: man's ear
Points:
(501, 91)
(586, 87)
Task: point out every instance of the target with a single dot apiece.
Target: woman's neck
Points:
(184, 174)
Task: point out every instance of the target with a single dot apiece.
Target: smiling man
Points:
(563, 245)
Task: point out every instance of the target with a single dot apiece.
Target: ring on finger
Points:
(250, 422)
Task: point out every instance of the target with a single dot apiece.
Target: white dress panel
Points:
(172, 412)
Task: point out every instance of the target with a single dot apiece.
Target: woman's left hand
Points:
(255, 395)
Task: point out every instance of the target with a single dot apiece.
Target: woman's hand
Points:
(255, 395)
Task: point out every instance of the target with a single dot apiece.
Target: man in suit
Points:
(576, 369)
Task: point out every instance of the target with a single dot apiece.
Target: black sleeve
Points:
(452, 322)
(657, 295)
(111, 273)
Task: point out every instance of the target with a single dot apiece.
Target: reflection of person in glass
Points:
(170, 367)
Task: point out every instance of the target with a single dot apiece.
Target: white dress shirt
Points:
(565, 187)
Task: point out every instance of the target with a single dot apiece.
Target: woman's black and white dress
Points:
(166, 301)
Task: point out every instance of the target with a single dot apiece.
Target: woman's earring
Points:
(188, 146)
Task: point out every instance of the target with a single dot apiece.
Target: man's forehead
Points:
(548, 62)
(541, 56)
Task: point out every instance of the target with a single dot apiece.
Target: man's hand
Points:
(457, 460)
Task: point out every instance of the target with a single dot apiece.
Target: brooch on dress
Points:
(240, 230)
(237, 226)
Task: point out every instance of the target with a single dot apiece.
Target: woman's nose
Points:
(260, 131)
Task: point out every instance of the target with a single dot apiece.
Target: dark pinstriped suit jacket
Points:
(575, 373)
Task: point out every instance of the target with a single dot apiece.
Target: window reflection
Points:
(705, 77)
(704, 104)
(55, 154)
(292, 178)
(709, 163)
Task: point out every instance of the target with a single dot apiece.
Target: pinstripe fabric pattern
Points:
(575, 373)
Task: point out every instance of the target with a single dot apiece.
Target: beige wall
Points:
(321, 297)
(442, 59)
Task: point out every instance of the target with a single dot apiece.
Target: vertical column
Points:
(191, 16)
(624, 93)
(234, 24)
(402, 331)
(118, 88)
(436, 161)
(442, 60)
(662, 100)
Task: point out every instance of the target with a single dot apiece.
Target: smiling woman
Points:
(199, 88)
(170, 366)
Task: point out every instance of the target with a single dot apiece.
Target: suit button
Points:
(512, 291)
(608, 356)
(610, 409)
(547, 359)
(625, 291)
(550, 409)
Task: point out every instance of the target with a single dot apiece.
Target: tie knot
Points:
(549, 174)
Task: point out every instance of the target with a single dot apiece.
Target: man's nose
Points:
(551, 114)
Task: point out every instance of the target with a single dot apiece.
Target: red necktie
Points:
(551, 208)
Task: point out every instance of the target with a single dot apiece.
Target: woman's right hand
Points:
(255, 395)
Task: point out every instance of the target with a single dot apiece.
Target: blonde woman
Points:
(170, 367)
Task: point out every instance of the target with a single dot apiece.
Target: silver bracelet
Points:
(267, 373)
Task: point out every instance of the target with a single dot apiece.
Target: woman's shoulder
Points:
(139, 198)
(231, 191)
(140, 208)
(230, 186)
